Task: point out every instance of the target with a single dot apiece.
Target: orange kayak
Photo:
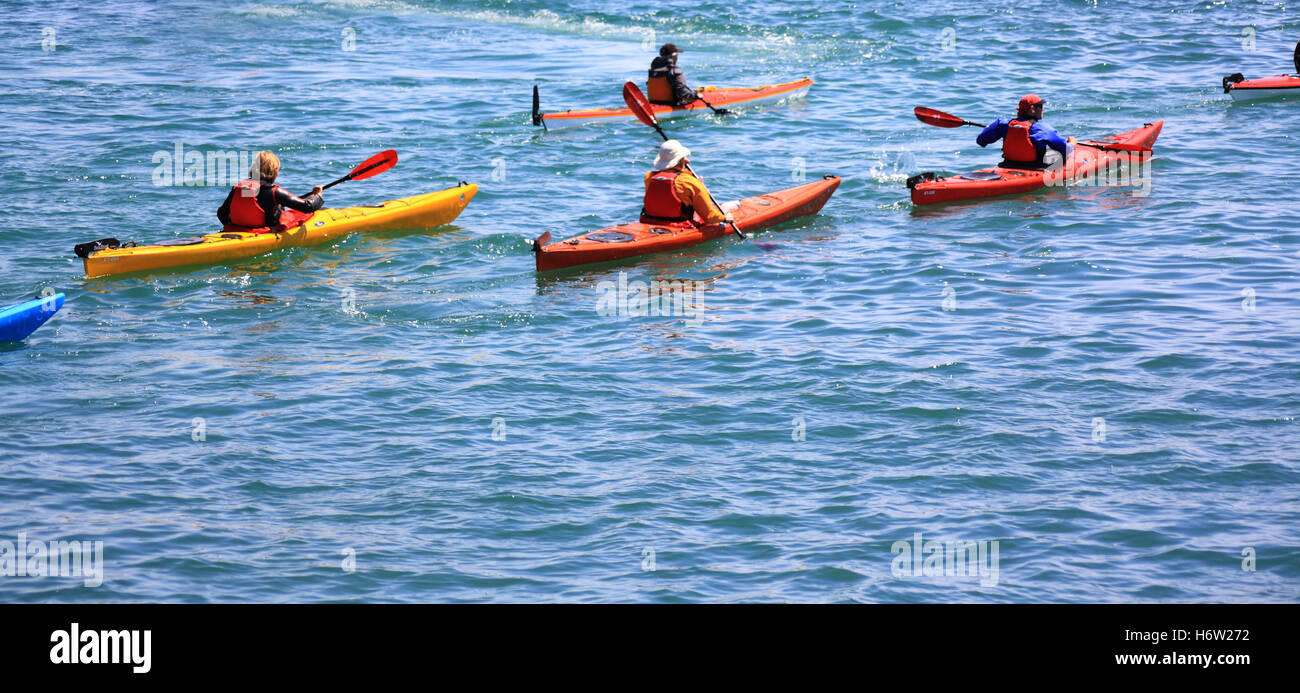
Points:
(729, 97)
(630, 240)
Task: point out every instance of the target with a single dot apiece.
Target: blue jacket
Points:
(1042, 135)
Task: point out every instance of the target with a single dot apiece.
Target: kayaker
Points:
(258, 202)
(674, 194)
(666, 85)
(1027, 142)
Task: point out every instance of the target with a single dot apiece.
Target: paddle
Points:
(641, 108)
(537, 107)
(929, 116)
(719, 111)
(371, 167)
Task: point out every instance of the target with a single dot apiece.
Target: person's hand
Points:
(729, 218)
(317, 190)
(1071, 139)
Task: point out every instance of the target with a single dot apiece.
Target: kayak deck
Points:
(997, 180)
(17, 322)
(718, 97)
(631, 240)
(418, 211)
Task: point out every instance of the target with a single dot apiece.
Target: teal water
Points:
(423, 402)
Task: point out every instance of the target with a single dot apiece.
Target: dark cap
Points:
(668, 49)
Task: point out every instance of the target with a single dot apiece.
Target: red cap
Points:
(1029, 100)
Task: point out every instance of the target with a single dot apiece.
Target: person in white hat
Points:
(674, 194)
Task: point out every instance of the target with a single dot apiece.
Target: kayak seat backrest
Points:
(921, 178)
(85, 249)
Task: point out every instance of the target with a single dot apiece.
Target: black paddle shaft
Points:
(354, 174)
(724, 112)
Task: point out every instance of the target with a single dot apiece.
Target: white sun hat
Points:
(670, 152)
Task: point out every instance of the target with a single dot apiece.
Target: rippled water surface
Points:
(1104, 383)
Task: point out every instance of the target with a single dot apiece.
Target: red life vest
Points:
(1016, 144)
(662, 205)
(244, 209)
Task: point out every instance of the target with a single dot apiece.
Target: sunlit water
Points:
(1103, 383)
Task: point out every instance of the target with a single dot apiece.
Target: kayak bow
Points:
(19, 321)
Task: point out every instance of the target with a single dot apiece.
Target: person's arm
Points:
(994, 132)
(1050, 137)
(697, 197)
(223, 212)
(311, 203)
(684, 93)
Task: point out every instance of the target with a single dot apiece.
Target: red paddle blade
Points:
(375, 165)
(639, 104)
(929, 116)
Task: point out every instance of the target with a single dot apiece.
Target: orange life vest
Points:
(662, 205)
(1016, 144)
(659, 90)
(244, 209)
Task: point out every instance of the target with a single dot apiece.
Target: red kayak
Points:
(1242, 89)
(929, 189)
(631, 240)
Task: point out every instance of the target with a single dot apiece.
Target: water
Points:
(1112, 397)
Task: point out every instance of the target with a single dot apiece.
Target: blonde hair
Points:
(266, 166)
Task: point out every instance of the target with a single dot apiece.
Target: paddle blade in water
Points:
(639, 104)
(929, 116)
(375, 165)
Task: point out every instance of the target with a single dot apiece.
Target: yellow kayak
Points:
(415, 212)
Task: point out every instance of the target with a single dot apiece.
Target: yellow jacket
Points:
(691, 191)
